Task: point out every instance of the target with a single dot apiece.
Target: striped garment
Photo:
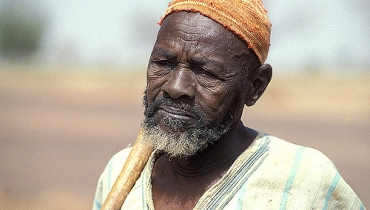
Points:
(270, 174)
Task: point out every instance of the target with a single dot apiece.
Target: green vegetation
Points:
(21, 30)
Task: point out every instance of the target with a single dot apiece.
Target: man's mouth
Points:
(176, 113)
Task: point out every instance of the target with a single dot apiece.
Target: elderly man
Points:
(207, 63)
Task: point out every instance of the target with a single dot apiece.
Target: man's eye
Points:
(205, 72)
(166, 63)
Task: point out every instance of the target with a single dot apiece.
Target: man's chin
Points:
(175, 144)
(179, 138)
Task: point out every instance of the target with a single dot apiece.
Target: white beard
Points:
(182, 145)
(178, 142)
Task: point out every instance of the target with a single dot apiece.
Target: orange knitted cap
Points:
(246, 18)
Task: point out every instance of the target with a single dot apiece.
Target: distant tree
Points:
(21, 30)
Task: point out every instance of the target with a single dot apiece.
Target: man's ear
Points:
(259, 79)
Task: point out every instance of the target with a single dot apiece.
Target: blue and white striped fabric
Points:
(270, 174)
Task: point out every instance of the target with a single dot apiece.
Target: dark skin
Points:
(197, 61)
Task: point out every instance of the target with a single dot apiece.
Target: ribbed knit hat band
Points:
(246, 18)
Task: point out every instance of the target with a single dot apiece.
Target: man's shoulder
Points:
(122, 154)
(297, 177)
(283, 147)
(119, 159)
(114, 166)
(282, 151)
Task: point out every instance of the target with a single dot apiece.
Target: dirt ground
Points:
(59, 127)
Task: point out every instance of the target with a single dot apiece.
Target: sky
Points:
(332, 34)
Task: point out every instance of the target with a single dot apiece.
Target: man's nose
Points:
(180, 84)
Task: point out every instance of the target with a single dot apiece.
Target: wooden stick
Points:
(130, 173)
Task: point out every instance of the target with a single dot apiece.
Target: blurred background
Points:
(72, 74)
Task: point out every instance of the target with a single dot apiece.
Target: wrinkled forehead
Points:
(182, 27)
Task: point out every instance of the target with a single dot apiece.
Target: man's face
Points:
(195, 83)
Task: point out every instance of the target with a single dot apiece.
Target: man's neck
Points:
(180, 183)
(216, 158)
